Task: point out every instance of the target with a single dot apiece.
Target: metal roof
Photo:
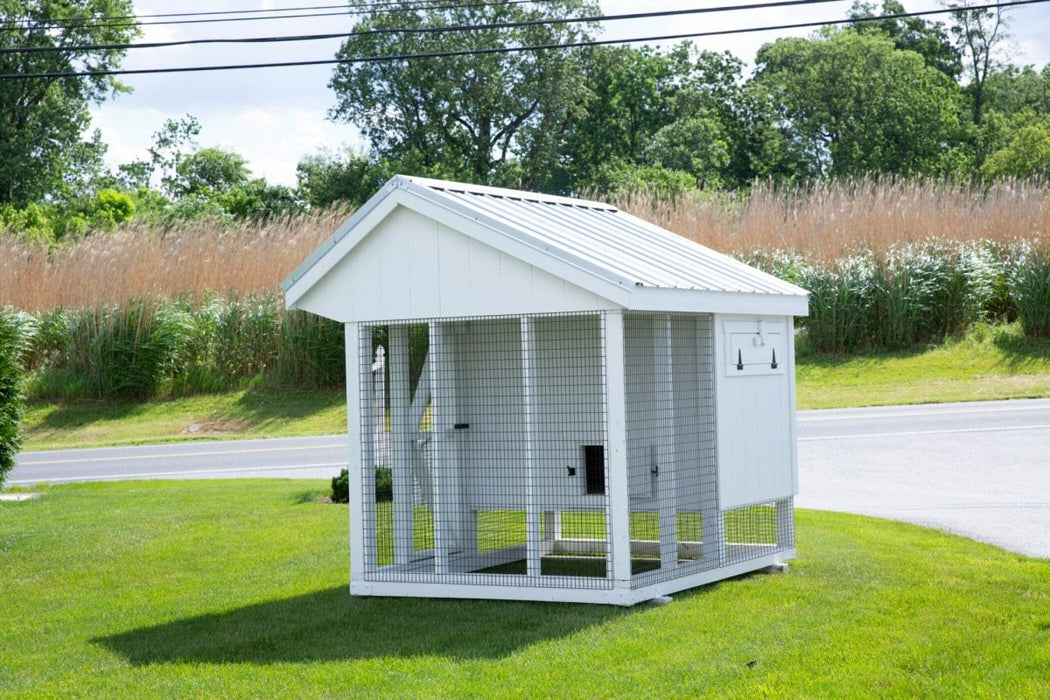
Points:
(592, 236)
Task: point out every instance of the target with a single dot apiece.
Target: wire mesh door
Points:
(496, 460)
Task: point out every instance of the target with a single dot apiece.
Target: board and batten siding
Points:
(755, 409)
(411, 266)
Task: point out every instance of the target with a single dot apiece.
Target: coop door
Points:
(755, 347)
(755, 410)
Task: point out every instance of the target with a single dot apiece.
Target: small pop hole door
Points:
(594, 468)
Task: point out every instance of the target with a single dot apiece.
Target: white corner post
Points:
(619, 518)
(533, 545)
(785, 509)
(360, 443)
(712, 531)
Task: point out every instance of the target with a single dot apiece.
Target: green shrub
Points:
(914, 294)
(232, 341)
(1031, 290)
(15, 330)
(933, 290)
(384, 486)
(126, 351)
(311, 352)
(341, 487)
(841, 303)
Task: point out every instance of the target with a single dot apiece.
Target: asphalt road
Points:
(295, 458)
(977, 469)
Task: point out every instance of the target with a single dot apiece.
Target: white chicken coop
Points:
(573, 404)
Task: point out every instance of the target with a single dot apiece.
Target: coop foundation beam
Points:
(561, 589)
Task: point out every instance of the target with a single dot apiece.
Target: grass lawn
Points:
(989, 363)
(239, 414)
(238, 589)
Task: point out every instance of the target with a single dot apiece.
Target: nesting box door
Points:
(755, 408)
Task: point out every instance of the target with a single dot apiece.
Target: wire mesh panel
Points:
(758, 530)
(670, 436)
(493, 443)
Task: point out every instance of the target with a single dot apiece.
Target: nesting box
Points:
(568, 403)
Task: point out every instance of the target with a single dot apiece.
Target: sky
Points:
(273, 117)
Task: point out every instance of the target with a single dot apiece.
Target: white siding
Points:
(410, 266)
(755, 417)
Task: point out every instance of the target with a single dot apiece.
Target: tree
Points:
(694, 145)
(464, 116)
(14, 328)
(209, 173)
(257, 199)
(326, 178)
(928, 39)
(679, 112)
(856, 104)
(1012, 89)
(1023, 149)
(42, 120)
(629, 97)
(978, 34)
(170, 145)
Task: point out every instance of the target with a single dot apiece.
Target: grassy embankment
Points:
(207, 589)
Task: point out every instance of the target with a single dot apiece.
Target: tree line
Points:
(889, 94)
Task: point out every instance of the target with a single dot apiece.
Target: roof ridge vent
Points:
(518, 196)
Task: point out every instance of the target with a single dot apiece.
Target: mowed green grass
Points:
(239, 589)
(51, 425)
(990, 362)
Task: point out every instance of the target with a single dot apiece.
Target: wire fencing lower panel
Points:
(756, 531)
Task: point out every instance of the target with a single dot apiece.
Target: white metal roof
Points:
(594, 238)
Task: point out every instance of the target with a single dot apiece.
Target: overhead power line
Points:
(511, 49)
(419, 30)
(345, 10)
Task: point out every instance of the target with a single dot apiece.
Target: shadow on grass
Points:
(331, 625)
(70, 414)
(1021, 352)
(262, 404)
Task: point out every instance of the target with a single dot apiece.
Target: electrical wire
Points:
(415, 30)
(350, 10)
(506, 49)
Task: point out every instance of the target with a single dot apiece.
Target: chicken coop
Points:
(550, 399)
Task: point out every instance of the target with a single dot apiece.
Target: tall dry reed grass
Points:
(829, 220)
(106, 268)
(821, 223)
